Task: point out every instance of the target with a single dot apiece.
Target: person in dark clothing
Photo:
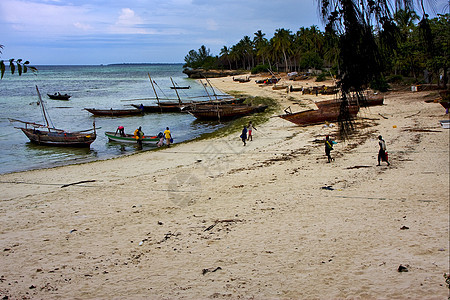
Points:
(328, 148)
(244, 135)
(382, 154)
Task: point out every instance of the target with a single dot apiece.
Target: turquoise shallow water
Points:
(111, 86)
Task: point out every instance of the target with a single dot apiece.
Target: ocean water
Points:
(105, 86)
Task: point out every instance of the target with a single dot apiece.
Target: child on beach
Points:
(250, 129)
(328, 148)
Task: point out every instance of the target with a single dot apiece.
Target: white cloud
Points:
(211, 25)
(82, 26)
(129, 23)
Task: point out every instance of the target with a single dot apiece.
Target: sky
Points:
(91, 32)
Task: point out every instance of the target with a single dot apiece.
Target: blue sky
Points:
(132, 31)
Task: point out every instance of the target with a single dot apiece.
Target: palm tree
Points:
(282, 41)
(360, 58)
(260, 43)
(225, 52)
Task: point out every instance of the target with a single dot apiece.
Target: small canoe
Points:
(113, 112)
(130, 139)
(58, 96)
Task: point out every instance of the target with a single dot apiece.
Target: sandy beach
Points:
(214, 219)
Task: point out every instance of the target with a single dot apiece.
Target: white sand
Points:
(159, 224)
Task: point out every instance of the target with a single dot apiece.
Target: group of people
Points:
(382, 153)
(246, 134)
(139, 135)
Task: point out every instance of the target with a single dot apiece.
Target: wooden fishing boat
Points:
(161, 108)
(58, 96)
(130, 139)
(180, 87)
(242, 80)
(224, 112)
(50, 136)
(370, 101)
(322, 115)
(114, 112)
(268, 80)
(279, 87)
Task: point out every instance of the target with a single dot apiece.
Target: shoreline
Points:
(215, 219)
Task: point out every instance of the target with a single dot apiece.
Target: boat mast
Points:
(210, 99)
(214, 91)
(175, 88)
(43, 108)
(154, 90)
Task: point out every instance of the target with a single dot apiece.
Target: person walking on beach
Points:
(244, 134)
(328, 148)
(250, 130)
(382, 154)
(168, 136)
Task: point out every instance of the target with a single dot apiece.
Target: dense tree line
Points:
(398, 48)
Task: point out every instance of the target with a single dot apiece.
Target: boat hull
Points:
(58, 97)
(223, 112)
(312, 117)
(159, 109)
(370, 101)
(66, 139)
(130, 139)
(114, 112)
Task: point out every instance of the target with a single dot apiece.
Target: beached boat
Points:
(130, 139)
(279, 87)
(58, 96)
(225, 111)
(370, 101)
(272, 80)
(50, 136)
(114, 112)
(242, 80)
(322, 115)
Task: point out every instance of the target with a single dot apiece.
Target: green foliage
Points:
(260, 69)
(311, 60)
(200, 59)
(379, 84)
(22, 67)
(394, 79)
(322, 77)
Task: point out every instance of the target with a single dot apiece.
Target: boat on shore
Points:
(130, 138)
(321, 115)
(113, 112)
(369, 101)
(49, 136)
(58, 96)
(225, 112)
